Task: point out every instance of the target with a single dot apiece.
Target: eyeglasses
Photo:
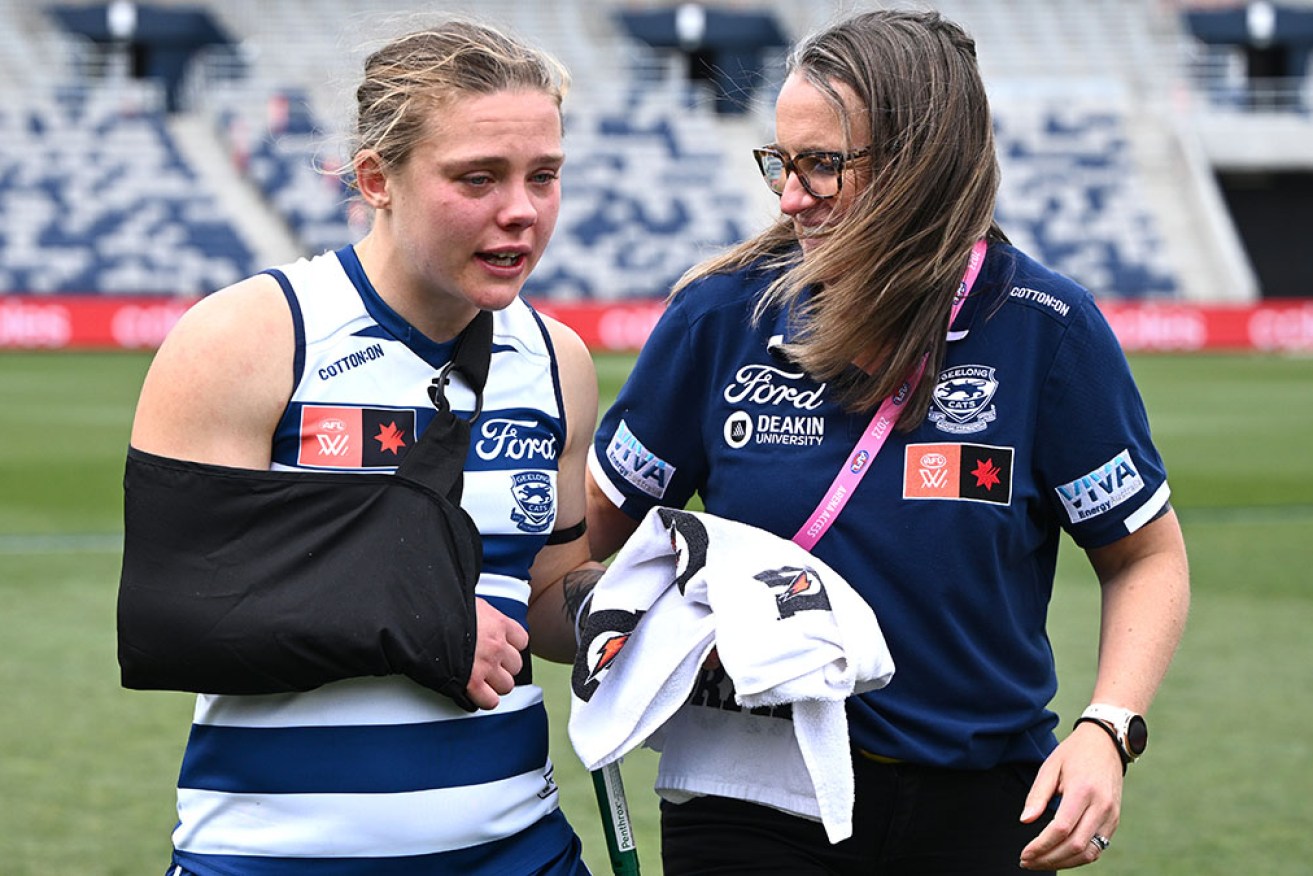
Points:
(821, 173)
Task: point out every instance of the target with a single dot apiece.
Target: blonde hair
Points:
(889, 269)
(417, 73)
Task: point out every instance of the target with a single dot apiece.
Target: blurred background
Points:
(1158, 151)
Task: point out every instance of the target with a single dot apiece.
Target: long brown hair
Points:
(887, 273)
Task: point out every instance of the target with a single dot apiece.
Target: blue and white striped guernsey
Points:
(379, 775)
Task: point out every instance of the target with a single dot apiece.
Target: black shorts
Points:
(906, 820)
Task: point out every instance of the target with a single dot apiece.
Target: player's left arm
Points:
(563, 573)
(1146, 596)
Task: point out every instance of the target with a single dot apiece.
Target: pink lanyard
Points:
(845, 482)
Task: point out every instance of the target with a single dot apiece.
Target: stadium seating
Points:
(644, 194)
(117, 207)
(1069, 197)
(96, 198)
(286, 155)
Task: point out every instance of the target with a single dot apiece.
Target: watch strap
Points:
(1112, 734)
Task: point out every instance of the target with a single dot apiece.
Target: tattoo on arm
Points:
(577, 587)
(577, 592)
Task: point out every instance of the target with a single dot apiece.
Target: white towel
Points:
(787, 629)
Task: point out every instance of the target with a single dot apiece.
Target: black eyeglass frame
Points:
(839, 159)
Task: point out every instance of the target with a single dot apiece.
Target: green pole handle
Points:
(619, 830)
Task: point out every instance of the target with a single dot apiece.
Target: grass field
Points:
(87, 769)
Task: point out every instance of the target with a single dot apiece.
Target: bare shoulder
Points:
(571, 351)
(578, 382)
(221, 378)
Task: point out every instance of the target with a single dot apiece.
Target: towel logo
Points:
(604, 636)
(688, 541)
(796, 589)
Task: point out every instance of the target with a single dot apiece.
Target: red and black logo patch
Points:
(350, 437)
(964, 472)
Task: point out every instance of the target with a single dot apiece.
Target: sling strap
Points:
(254, 582)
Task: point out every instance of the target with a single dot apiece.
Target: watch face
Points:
(1137, 736)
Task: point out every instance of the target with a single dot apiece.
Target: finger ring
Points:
(1101, 841)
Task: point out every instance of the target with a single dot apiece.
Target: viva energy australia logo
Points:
(1102, 489)
(638, 465)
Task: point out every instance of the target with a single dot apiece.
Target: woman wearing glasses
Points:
(881, 377)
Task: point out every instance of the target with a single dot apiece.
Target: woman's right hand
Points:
(498, 644)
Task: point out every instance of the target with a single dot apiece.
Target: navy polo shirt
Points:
(1036, 427)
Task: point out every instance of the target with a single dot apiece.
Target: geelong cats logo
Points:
(962, 398)
(533, 501)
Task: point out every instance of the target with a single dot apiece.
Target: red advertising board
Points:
(57, 322)
(141, 322)
(1277, 325)
(1270, 326)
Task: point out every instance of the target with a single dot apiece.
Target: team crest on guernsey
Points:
(533, 510)
(962, 398)
(350, 437)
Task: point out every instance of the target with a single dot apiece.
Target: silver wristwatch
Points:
(1126, 728)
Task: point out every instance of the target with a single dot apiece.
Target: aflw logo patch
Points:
(347, 437)
(964, 472)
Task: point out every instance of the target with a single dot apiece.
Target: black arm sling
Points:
(255, 582)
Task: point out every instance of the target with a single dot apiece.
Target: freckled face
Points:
(806, 121)
(476, 202)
